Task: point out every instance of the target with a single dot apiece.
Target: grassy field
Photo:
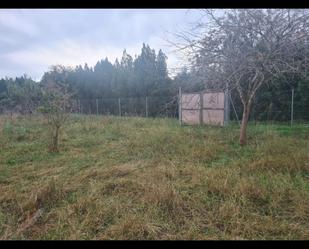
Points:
(136, 178)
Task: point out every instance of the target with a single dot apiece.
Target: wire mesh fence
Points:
(281, 106)
(149, 106)
(288, 107)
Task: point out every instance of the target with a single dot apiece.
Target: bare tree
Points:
(245, 48)
(56, 107)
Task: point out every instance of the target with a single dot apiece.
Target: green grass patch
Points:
(138, 178)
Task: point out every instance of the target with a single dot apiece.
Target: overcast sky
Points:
(31, 40)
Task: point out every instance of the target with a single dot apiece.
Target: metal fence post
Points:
(119, 106)
(179, 106)
(78, 103)
(146, 106)
(97, 106)
(226, 107)
(201, 108)
(292, 107)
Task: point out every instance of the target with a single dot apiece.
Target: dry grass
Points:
(135, 178)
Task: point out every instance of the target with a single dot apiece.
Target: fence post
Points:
(226, 107)
(179, 106)
(119, 106)
(292, 107)
(201, 108)
(103, 109)
(96, 100)
(146, 106)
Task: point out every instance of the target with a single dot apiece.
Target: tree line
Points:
(132, 79)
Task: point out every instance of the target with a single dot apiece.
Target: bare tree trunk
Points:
(244, 124)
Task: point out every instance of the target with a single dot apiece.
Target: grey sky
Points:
(33, 40)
